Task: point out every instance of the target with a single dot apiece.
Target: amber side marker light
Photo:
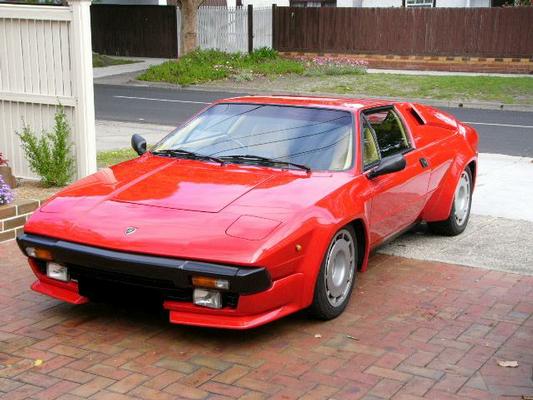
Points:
(207, 282)
(41, 254)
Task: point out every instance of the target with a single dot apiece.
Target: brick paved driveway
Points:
(413, 329)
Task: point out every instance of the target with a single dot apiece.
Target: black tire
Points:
(321, 307)
(451, 226)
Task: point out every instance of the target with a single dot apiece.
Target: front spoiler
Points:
(252, 311)
(242, 280)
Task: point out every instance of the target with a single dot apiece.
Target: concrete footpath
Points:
(114, 135)
(140, 65)
(500, 233)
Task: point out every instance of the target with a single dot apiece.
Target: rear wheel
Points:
(460, 214)
(336, 278)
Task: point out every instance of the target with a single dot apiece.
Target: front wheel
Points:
(460, 214)
(336, 277)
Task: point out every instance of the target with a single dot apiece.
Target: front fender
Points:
(311, 231)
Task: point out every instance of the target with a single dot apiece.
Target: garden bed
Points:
(203, 66)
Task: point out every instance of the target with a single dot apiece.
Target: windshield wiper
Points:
(262, 161)
(187, 154)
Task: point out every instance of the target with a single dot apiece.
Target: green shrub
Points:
(208, 65)
(264, 53)
(50, 155)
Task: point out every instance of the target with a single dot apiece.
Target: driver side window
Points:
(390, 132)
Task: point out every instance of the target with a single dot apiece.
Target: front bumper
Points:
(252, 299)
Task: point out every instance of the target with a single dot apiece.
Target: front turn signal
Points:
(41, 254)
(208, 282)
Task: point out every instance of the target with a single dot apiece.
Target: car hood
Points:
(178, 184)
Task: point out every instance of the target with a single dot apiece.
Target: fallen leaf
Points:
(351, 337)
(318, 335)
(508, 364)
(38, 363)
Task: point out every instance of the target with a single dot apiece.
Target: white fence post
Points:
(82, 65)
(45, 59)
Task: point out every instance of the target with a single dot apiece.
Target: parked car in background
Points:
(256, 208)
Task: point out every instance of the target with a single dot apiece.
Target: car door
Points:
(399, 197)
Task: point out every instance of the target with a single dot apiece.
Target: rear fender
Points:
(439, 205)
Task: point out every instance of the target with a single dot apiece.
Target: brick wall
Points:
(13, 217)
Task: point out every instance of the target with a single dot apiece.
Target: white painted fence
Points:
(46, 59)
(223, 28)
(262, 27)
(226, 29)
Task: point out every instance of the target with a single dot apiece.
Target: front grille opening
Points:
(126, 289)
(113, 287)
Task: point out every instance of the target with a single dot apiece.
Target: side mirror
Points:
(139, 144)
(388, 165)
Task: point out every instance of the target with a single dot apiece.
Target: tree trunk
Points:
(189, 26)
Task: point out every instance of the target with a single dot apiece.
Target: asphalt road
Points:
(501, 132)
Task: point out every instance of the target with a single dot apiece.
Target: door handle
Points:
(423, 162)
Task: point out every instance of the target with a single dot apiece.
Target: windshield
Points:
(320, 139)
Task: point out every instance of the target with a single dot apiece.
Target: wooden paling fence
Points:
(481, 32)
(134, 30)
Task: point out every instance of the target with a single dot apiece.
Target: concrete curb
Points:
(437, 103)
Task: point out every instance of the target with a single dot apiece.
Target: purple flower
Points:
(6, 195)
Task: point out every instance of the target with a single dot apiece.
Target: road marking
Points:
(504, 125)
(163, 100)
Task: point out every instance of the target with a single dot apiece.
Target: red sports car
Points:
(255, 208)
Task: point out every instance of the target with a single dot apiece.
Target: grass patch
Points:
(112, 157)
(101, 60)
(333, 70)
(208, 65)
(265, 69)
(485, 88)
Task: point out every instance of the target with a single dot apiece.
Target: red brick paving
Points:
(412, 330)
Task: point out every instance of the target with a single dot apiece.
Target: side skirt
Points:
(393, 237)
